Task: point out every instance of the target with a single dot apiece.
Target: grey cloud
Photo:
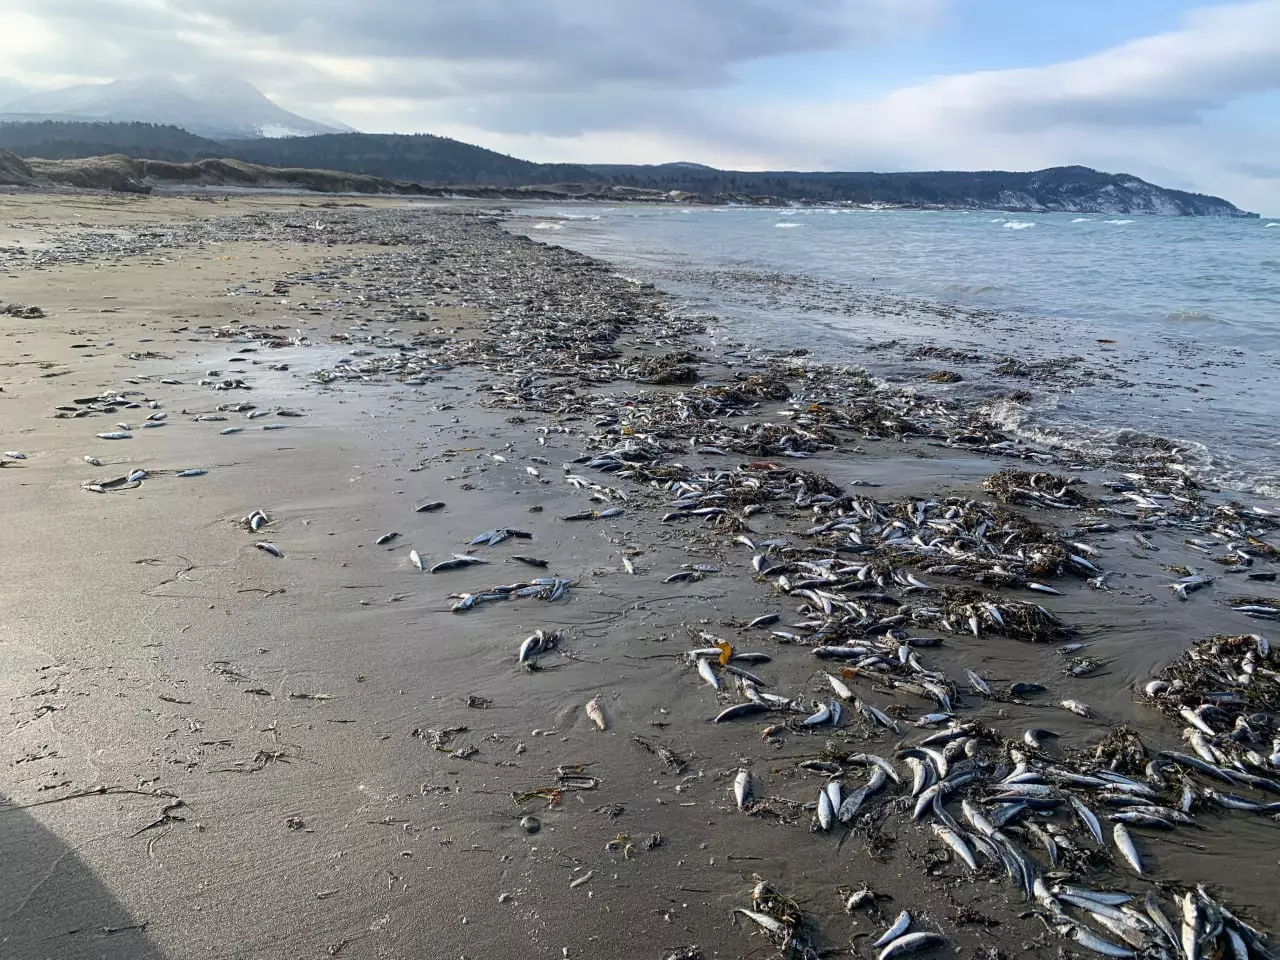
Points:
(660, 42)
(523, 46)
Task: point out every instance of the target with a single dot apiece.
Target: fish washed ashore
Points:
(382, 584)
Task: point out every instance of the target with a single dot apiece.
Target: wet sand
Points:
(213, 751)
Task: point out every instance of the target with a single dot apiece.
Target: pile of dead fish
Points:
(1225, 691)
(1048, 825)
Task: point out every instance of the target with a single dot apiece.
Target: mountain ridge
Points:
(211, 105)
(439, 162)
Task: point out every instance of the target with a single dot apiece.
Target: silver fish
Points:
(707, 674)
(742, 787)
(1078, 708)
(910, 944)
(899, 927)
(1124, 843)
(956, 843)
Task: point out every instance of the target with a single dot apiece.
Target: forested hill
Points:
(442, 162)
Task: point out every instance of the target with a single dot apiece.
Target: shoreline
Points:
(304, 709)
(1039, 376)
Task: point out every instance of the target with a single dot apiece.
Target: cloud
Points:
(434, 48)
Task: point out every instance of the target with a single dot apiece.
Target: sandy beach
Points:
(213, 750)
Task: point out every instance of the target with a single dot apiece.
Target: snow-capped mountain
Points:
(216, 106)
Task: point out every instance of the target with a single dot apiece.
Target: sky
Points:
(1185, 93)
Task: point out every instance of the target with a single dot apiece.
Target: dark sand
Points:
(146, 647)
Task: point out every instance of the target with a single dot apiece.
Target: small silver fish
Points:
(1078, 708)
(742, 787)
(267, 546)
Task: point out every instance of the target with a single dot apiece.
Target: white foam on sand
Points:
(1018, 224)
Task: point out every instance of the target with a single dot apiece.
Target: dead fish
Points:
(977, 684)
(684, 576)
(910, 944)
(708, 675)
(116, 435)
(385, 538)
(457, 562)
(628, 566)
(494, 537)
(191, 473)
(255, 414)
(1124, 843)
(415, 558)
(596, 713)
(1078, 708)
(93, 461)
(268, 547)
(742, 787)
(429, 507)
(229, 430)
(272, 426)
(764, 920)
(747, 709)
(1035, 735)
(765, 621)
(1089, 819)
(531, 561)
(899, 927)
(956, 843)
(821, 716)
(840, 687)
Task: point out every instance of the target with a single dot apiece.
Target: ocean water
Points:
(1123, 328)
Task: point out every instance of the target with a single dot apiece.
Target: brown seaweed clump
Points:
(1038, 489)
(942, 376)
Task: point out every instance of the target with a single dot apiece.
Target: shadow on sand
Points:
(53, 906)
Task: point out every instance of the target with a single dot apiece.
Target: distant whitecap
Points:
(1018, 224)
(788, 226)
(1120, 223)
(1082, 220)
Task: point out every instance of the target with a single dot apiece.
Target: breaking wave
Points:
(1120, 223)
(1082, 220)
(788, 226)
(1018, 224)
(1194, 316)
(547, 225)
